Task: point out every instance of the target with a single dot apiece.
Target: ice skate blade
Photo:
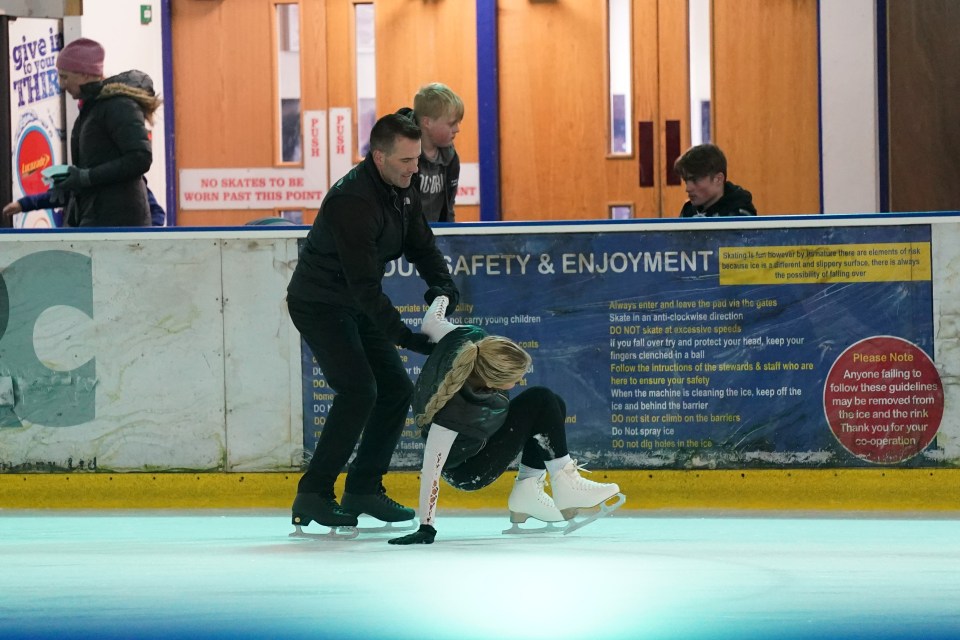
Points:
(349, 533)
(572, 512)
(334, 533)
(390, 527)
(517, 518)
(548, 527)
(605, 509)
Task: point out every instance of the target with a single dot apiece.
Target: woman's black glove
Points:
(58, 197)
(75, 180)
(424, 535)
(453, 295)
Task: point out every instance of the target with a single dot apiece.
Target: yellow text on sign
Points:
(811, 264)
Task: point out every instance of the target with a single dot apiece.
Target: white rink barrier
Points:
(171, 350)
(149, 351)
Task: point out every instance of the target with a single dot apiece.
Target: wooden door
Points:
(924, 89)
(224, 77)
(422, 42)
(766, 100)
(665, 98)
(223, 66)
(556, 161)
(225, 85)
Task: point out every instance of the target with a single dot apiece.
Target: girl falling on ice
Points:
(474, 431)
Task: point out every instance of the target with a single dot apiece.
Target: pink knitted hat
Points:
(82, 56)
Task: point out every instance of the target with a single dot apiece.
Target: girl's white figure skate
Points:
(528, 500)
(572, 493)
(435, 324)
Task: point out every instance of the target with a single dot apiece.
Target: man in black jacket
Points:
(703, 169)
(335, 297)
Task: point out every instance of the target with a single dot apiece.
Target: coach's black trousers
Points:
(372, 396)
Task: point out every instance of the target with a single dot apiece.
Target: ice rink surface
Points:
(236, 574)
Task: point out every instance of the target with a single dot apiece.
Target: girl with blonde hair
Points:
(474, 431)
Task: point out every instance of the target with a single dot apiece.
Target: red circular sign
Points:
(883, 399)
(33, 156)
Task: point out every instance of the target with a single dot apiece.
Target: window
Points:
(621, 85)
(699, 26)
(288, 82)
(366, 75)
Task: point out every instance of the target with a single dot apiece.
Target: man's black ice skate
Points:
(378, 505)
(322, 509)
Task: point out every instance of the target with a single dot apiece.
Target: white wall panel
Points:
(848, 105)
(156, 338)
(264, 407)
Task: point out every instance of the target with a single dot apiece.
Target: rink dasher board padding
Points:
(868, 491)
(196, 368)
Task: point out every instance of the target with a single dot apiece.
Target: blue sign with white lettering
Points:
(685, 349)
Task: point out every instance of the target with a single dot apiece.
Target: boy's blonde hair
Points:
(436, 100)
(496, 360)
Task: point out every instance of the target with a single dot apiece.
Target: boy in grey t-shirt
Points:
(438, 111)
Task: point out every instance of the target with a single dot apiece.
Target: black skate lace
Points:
(383, 497)
(441, 311)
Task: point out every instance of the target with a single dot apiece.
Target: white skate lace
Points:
(580, 467)
(542, 496)
(580, 482)
(435, 324)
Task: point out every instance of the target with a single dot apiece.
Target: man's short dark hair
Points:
(701, 160)
(388, 128)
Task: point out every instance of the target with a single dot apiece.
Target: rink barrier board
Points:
(234, 400)
(870, 490)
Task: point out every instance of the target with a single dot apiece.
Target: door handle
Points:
(645, 156)
(672, 150)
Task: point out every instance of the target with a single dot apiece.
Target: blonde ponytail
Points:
(497, 361)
